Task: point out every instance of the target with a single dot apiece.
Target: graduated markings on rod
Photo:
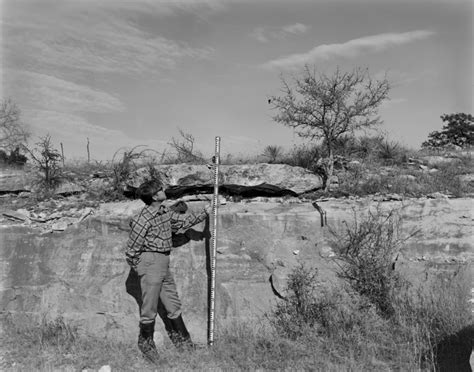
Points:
(215, 202)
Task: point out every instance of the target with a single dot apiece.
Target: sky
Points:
(134, 73)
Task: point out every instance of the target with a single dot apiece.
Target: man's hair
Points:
(147, 189)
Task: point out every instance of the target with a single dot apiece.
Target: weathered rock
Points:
(467, 178)
(283, 176)
(18, 215)
(68, 188)
(81, 274)
(15, 181)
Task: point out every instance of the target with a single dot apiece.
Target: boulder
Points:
(283, 176)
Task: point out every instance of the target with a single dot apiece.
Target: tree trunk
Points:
(329, 168)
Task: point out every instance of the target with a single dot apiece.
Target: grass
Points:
(373, 177)
(339, 331)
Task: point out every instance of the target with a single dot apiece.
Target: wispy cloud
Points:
(259, 34)
(41, 90)
(263, 34)
(349, 49)
(98, 41)
(297, 28)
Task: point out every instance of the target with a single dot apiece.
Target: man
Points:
(148, 253)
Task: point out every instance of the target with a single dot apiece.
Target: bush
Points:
(304, 156)
(46, 159)
(316, 308)
(299, 310)
(57, 333)
(366, 252)
(123, 168)
(273, 153)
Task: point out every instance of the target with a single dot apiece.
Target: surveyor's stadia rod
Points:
(215, 205)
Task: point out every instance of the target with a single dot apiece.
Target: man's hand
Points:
(208, 209)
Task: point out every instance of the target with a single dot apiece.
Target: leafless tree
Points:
(13, 133)
(46, 159)
(184, 148)
(320, 106)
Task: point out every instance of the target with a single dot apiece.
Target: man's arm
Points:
(181, 221)
(136, 239)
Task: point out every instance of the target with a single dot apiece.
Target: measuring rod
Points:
(215, 204)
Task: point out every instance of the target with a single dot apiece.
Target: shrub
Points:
(184, 150)
(46, 159)
(273, 153)
(299, 310)
(312, 307)
(122, 169)
(366, 252)
(305, 156)
(57, 333)
(391, 152)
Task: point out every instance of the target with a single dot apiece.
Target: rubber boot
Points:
(146, 344)
(180, 335)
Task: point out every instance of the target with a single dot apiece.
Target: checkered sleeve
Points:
(139, 227)
(181, 221)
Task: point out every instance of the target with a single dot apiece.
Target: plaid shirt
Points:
(152, 230)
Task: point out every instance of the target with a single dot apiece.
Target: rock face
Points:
(80, 273)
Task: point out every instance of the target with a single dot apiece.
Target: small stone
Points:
(59, 226)
(16, 215)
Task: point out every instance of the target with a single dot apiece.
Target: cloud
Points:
(259, 34)
(349, 49)
(297, 28)
(57, 106)
(41, 90)
(264, 35)
(89, 37)
(168, 7)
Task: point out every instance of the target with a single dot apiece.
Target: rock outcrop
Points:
(283, 176)
(80, 272)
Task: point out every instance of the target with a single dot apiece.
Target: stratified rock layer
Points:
(80, 273)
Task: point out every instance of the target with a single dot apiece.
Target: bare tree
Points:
(321, 106)
(184, 148)
(46, 159)
(13, 133)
